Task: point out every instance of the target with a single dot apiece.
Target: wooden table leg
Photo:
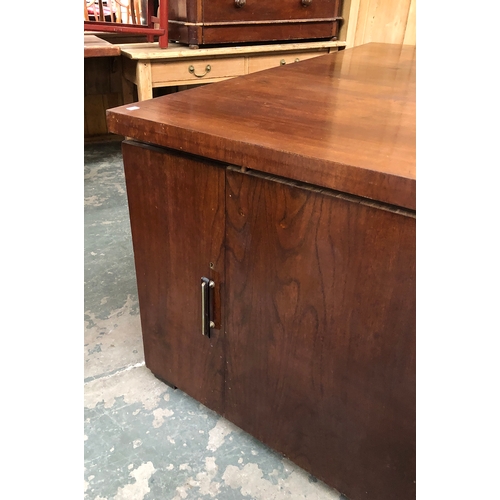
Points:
(127, 87)
(144, 81)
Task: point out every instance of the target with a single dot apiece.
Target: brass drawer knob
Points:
(240, 3)
(306, 3)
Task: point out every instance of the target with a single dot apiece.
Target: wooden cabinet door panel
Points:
(320, 333)
(176, 206)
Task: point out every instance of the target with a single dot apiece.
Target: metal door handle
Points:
(206, 306)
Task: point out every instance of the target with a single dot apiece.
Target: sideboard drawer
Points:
(258, 10)
(259, 63)
(197, 70)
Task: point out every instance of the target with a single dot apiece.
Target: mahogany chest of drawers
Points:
(213, 22)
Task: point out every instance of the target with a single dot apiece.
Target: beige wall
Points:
(388, 21)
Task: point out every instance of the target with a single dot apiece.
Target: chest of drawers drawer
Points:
(213, 22)
(257, 10)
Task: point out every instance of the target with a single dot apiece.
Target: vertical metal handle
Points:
(206, 306)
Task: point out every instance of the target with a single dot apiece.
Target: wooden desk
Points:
(293, 191)
(94, 46)
(148, 66)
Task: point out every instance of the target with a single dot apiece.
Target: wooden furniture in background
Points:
(293, 191)
(363, 21)
(148, 67)
(103, 84)
(127, 16)
(143, 67)
(94, 46)
(215, 22)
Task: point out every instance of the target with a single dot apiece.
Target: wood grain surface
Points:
(321, 333)
(344, 121)
(203, 22)
(256, 10)
(301, 207)
(94, 46)
(177, 220)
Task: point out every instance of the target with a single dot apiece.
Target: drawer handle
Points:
(283, 62)
(306, 3)
(206, 306)
(207, 70)
(240, 3)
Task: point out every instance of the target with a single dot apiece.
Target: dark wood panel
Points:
(102, 75)
(184, 10)
(193, 21)
(112, 100)
(212, 35)
(102, 90)
(344, 121)
(321, 333)
(179, 33)
(177, 219)
(257, 10)
(94, 114)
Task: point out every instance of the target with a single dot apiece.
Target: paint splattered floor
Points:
(144, 440)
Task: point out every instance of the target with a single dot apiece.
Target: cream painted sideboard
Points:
(147, 66)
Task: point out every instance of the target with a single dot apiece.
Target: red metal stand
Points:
(138, 29)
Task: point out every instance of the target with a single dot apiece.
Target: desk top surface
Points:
(344, 121)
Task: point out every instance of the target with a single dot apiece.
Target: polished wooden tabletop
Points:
(344, 121)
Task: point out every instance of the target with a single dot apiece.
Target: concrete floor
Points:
(144, 440)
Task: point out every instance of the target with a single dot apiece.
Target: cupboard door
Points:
(176, 206)
(320, 333)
